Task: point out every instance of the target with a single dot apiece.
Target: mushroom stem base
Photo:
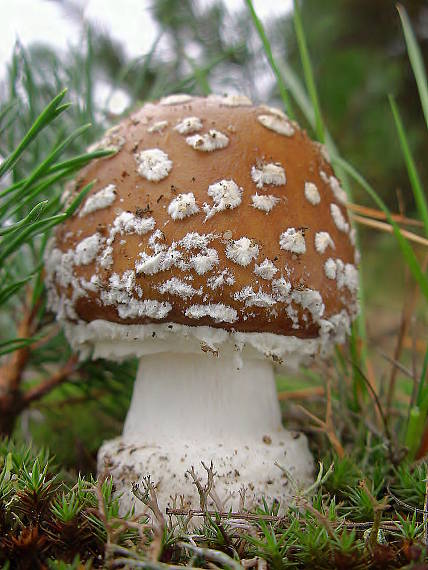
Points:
(261, 468)
(188, 409)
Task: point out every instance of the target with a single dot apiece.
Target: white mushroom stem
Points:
(192, 408)
(203, 397)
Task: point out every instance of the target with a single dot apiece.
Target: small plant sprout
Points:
(409, 527)
(66, 507)
(171, 260)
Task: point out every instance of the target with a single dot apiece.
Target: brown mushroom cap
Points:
(212, 212)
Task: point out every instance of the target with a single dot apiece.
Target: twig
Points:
(389, 525)
(223, 514)
(408, 507)
(396, 364)
(13, 399)
(249, 562)
(425, 519)
(11, 372)
(149, 498)
(131, 561)
(214, 555)
(46, 337)
(45, 387)
(378, 508)
(256, 561)
(203, 491)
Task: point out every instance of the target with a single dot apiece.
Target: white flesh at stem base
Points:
(190, 408)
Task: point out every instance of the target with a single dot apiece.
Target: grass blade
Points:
(413, 432)
(32, 216)
(415, 181)
(15, 344)
(46, 116)
(88, 76)
(300, 96)
(141, 79)
(200, 76)
(416, 60)
(308, 72)
(422, 393)
(10, 290)
(55, 153)
(41, 170)
(80, 160)
(268, 51)
(32, 193)
(78, 199)
(8, 108)
(311, 108)
(30, 232)
(407, 251)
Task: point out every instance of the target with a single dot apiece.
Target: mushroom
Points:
(215, 247)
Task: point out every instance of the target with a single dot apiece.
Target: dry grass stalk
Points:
(405, 321)
(384, 227)
(377, 214)
(327, 426)
(420, 345)
(322, 519)
(303, 394)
